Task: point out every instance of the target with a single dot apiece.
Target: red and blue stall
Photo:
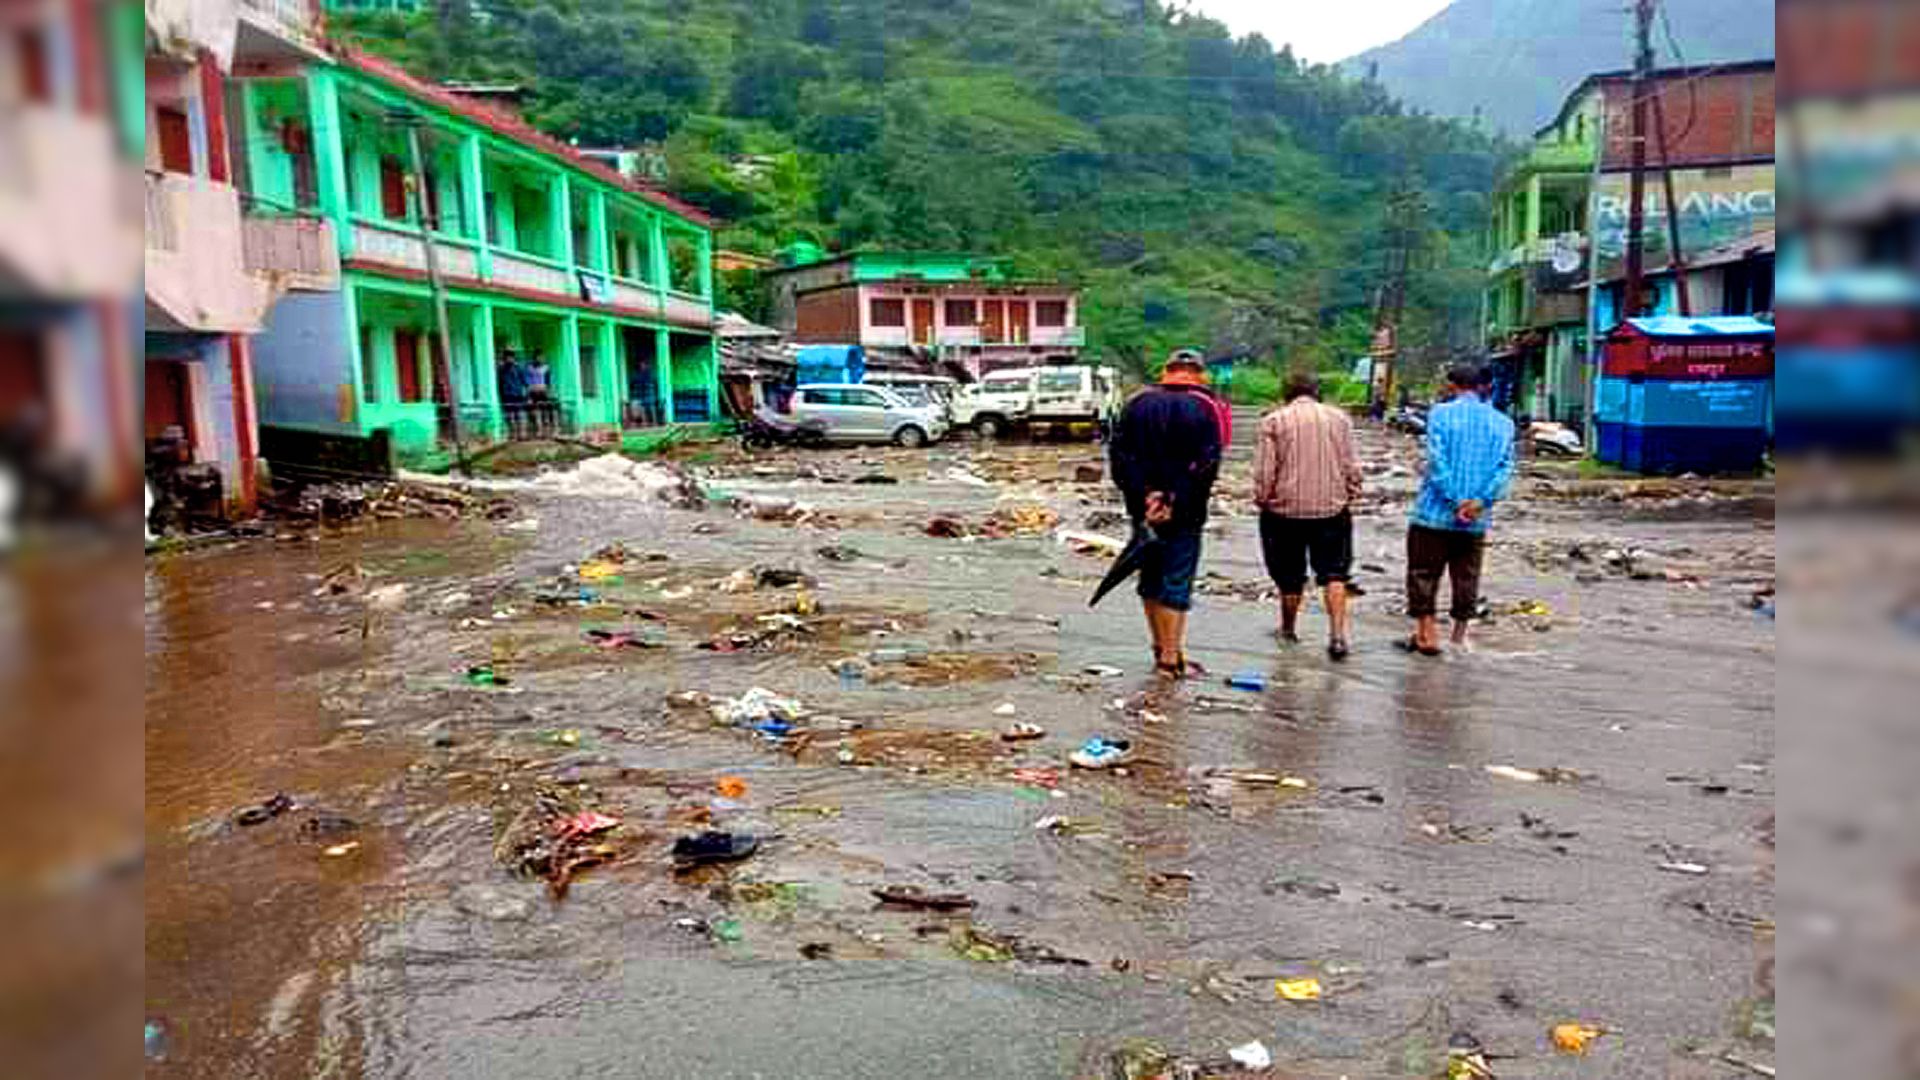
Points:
(1680, 394)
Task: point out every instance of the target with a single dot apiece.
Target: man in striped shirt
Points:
(1469, 464)
(1305, 479)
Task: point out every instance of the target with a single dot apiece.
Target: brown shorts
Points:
(1431, 552)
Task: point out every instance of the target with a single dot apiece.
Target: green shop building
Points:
(555, 269)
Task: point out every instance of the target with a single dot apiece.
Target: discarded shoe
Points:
(1023, 731)
(1101, 753)
(714, 847)
(914, 896)
(264, 812)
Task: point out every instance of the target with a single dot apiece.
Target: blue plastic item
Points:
(1247, 680)
(774, 729)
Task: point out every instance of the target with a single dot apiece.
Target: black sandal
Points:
(1411, 645)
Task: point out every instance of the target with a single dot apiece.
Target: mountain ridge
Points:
(1463, 62)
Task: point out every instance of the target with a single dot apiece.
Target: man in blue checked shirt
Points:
(1469, 463)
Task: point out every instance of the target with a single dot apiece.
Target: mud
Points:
(1342, 824)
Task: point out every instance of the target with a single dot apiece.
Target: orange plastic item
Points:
(730, 787)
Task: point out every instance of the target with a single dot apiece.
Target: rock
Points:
(1088, 474)
(1107, 521)
(491, 903)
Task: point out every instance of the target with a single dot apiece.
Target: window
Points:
(1059, 382)
(393, 190)
(826, 397)
(1050, 313)
(175, 132)
(1004, 386)
(883, 312)
(589, 373)
(961, 313)
(36, 74)
(369, 368)
(406, 362)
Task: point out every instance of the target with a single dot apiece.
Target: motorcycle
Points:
(766, 431)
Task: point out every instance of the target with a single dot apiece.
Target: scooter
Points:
(766, 431)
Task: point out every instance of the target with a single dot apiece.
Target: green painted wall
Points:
(933, 266)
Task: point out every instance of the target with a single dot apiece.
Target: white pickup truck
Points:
(996, 404)
(1076, 399)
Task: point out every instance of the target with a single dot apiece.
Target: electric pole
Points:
(1404, 209)
(1630, 303)
(1676, 258)
(426, 210)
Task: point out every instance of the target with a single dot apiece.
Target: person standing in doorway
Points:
(1166, 454)
(1305, 480)
(1469, 464)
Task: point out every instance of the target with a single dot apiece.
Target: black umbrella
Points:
(1127, 563)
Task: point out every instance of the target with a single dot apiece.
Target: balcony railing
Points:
(1060, 335)
(162, 233)
(296, 19)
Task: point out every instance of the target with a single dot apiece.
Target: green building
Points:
(1536, 282)
(556, 269)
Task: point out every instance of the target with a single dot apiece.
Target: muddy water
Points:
(1428, 895)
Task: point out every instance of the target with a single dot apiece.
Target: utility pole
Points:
(1676, 258)
(429, 216)
(1630, 303)
(1404, 209)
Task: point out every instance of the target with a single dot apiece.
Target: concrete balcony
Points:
(196, 271)
(292, 252)
(67, 225)
(1063, 337)
(960, 335)
(272, 30)
(404, 248)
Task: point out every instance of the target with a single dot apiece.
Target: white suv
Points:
(998, 402)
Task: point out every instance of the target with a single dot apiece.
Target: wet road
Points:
(1428, 895)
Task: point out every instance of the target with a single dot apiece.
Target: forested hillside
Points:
(1202, 189)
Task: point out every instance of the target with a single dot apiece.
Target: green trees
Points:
(1202, 189)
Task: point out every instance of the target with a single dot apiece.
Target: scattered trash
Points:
(154, 1041)
(598, 570)
(265, 811)
(731, 787)
(583, 824)
(725, 930)
(816, 950)
(1103, 671)
(1252, 1056)
(945, 528)
(957, 475)
(1574, 1038)
(645, 637)
(323, 825)
(1030, 520)
(876, 478)
(1100, 752)
(1005, 708)
(1466, 1058)
(1060, 825)
(713, 847)
(336, 850)
(1046, 778)
(1305, 988)
(1247, 680)
(1023, 731)
(840, 553)
(913, 896)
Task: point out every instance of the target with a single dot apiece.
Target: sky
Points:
(1322, 31)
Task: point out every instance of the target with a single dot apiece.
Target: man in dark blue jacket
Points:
(1166, 453)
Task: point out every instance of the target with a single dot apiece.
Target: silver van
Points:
(850, 412)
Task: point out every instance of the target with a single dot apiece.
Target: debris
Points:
(1046, 778)
(1311, 887)
(777, 577)
(713, 847)
(1090, 543)
(945, 528)
(598, 570)
(724, 930)
(263, 812)
(1692, 868)
(731, 787)
(485, 675)
(1466, 1058)
(913, 896)
(1030, 520)
(644, 637)
(323, 824)
(876, 478)
(1305, 988)
(1573, 1038)
(957, 475)
(1061, 825)
(740, 581)
(840, 553)
(1100, 752)
(1252, 1056)
(1247, 680)
(816, 950)
(1005, 708)
(757, 705)
(1103, 671)
(583, 824)
(1546, 775)
(337, 850)
(1088, 474)
(1022, 732)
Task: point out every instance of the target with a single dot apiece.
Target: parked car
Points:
(932, 390)
(996, 404)
(850, 412)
